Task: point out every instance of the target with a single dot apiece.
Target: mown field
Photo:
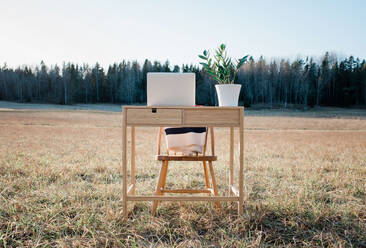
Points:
(60, 183)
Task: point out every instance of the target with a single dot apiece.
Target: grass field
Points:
(60, 183)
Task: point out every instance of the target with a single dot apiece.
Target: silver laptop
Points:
(171, 89)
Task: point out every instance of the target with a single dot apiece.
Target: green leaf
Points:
(202, 57)
(205, 52)
(242, 61)
(244, 58)
(217, 79)
(218, 55)
(209, 70)
(222, 47)
(211, 73)
(239, 65)
(227, 62)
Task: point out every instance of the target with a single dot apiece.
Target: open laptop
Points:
(171, 89)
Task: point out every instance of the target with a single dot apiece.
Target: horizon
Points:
(316, 59)
(108, 33)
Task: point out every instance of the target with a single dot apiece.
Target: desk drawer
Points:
(216, 117)
(161, 116)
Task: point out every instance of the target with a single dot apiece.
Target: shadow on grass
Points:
(184, 225)
(201, 225)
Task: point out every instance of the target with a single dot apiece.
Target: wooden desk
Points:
(136, 116)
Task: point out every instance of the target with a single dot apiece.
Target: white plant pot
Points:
(228, 94)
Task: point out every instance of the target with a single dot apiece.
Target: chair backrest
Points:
(209, 130)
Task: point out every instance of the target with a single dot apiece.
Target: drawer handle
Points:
(153, 110)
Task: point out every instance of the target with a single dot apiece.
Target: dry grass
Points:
(60, 184)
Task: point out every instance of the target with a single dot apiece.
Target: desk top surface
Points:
(178, 107)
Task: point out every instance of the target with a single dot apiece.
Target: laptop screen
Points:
(171, 89)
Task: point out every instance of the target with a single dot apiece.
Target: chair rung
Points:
(190, 191)
(185, 158)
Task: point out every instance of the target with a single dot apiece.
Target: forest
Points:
(308, 82)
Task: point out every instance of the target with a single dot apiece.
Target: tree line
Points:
(327, 81)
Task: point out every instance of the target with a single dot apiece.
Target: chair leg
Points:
(207, 180)
(164, 175)
(161, 181)
(214, 186)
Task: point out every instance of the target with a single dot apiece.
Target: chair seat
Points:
(185, 158)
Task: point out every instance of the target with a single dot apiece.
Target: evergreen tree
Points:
(331, 82)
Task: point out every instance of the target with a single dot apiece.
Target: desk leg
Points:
(231, 173)
(133, 160)
(124, 162)
(241, 164)
(212, 141)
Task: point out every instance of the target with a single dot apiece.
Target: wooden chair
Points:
(205, 159)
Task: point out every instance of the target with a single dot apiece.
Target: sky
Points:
(90, 31)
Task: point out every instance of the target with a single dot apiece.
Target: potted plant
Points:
(222, 69)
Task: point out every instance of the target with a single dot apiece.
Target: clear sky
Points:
(109, 31)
